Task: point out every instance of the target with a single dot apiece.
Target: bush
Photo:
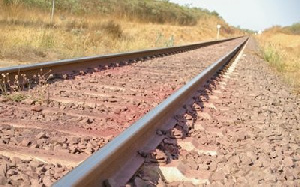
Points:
(293, 29)
(113, 29)
(271, 55)
(11, 2)
(141, 10)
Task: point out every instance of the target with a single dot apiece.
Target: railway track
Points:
(67, 115)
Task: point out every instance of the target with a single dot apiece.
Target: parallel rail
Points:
(120, 158)
(96, 61)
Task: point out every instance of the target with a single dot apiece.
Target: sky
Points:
(251, 14)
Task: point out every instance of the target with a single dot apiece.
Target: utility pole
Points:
(218, 32)
(52, 12)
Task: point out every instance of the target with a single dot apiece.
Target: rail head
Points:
(71, 64)
(117, 154)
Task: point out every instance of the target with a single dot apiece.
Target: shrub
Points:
(16, 97)
(11, 2)
(293, 29)
(141, 10)
(271, 55)
(113, 29)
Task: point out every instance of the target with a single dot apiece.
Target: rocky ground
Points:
(50, 129)
(242, 130)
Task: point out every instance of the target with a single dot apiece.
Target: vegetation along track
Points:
(75, 107)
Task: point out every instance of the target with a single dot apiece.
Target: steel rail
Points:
(94, 61)
(117, 161)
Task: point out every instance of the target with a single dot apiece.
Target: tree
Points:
(215, 13)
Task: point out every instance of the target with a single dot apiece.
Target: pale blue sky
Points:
(252, 14)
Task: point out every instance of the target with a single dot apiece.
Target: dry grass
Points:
(282, 51)
(26, 36)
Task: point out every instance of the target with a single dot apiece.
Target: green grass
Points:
(273, 57)
(16, 97)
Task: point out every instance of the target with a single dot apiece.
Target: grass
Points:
(27, 36)
(294, 29)
(282, 52)
(16, 89)
(274, 58)
(93, 27)
(16, 97)
(140, 10)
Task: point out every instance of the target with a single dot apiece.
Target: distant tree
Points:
(215, 13)
(188, 5)
(294, 29)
